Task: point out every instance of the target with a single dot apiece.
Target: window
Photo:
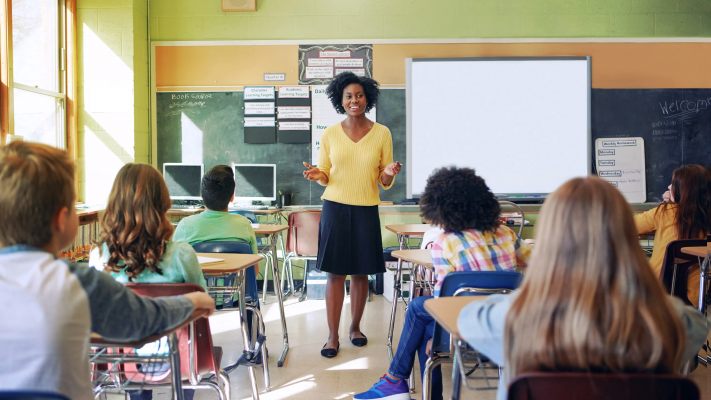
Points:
(38, 105)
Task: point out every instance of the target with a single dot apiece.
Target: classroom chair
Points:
(301, 244)
(17, 395)
(251, 301)
(507, 206)
(595, 386)
(250, 215)
(463, 283)
(676, 265)
(199, 359)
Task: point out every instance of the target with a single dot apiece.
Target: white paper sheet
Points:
(620, 161)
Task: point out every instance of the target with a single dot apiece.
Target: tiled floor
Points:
(307, 375)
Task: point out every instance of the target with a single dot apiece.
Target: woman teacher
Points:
(355, 156)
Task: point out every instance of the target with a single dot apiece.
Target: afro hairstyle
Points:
(457, 199)
(334, 91)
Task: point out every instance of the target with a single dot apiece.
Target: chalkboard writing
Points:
(675, 125)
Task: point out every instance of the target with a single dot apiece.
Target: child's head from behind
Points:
(691, 191)
(37, 196)
(218, 187)
(590, 300)
(456, 199)
(135, 226)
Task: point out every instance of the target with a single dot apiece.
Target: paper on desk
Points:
(209, 260)
(255, 226)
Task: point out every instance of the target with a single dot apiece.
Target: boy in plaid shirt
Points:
(458, 201)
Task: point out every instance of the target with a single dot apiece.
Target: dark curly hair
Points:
(457, 199)
(334, 91)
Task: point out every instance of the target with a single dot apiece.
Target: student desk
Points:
(102, 357)
(705, 253)
(445, 311)
(237, 264)
(273, 232)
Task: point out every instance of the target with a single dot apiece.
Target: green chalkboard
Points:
(208, 128)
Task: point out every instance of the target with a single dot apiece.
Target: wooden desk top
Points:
(98, 341)
(90, 210)
(411, 229)
(265, 229)
(700, 251)
(445, 310)
(418, 257)
(233, 262)
(185, 211)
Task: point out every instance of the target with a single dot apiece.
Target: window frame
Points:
(66, 73)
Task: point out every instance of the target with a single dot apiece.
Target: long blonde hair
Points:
(590, 301)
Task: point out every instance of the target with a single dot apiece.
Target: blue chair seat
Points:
(251, 295)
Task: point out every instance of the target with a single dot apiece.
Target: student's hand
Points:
(666, 197)
(313, 173)
(428, 350)
(392, 169)
(202, 301)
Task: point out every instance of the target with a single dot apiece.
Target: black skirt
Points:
(349, 240)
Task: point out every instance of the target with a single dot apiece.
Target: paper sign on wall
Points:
(251, 108)
(258, 92)
(294, 126)
(323, 116)
(294, 112)
(620, 161)
(294, 92)
(259, 122)
(358, 72)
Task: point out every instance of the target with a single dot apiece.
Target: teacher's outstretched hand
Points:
(389, 173)
(315, 174)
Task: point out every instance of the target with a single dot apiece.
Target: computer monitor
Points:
(183, 180)
(255, 182)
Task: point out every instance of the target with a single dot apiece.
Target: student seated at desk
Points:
(50, 307)
(685, 214)
(135, 245)
(589, 301)
(458, 201)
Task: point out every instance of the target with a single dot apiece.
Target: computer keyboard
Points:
(249, 208)
(186, 206)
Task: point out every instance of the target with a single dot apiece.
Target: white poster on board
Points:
(620, 161)
(324, 115)
(252, 108)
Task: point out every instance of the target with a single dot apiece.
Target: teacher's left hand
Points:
(393, 169)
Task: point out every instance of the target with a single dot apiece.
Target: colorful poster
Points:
(318, 64)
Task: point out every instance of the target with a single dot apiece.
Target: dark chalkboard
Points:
(675, 125)
(216, 117)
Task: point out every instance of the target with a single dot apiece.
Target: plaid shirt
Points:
(472, 250)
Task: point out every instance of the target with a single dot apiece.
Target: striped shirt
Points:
(472, 250)
(354, 169)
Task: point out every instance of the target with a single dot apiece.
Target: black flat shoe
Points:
(330, 353)
(360, 342)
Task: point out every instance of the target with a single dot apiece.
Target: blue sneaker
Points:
(386, 390)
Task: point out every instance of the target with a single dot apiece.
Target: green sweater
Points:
(215, 226)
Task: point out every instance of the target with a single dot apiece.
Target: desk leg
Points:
(396, 297)
(175, 379)
(414, 274)
(245, 332)
(277, 289)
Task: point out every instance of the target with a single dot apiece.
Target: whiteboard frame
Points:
(408, 107)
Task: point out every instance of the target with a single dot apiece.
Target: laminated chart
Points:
(621, 162)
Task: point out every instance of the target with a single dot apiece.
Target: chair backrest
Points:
(587, 386)
(250, 215)
(488, 282)
(672, 256)
(12, 395)
(302, 237)
(203, 349)
(234, 247)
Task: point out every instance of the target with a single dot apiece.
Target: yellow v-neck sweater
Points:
(354, 169)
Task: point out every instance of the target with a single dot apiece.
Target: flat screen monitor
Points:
(183, 180)
(255, 182)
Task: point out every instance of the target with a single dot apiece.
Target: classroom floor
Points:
(307, 375)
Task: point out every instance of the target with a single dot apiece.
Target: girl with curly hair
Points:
(355, 156)
(135, 241)
(459, 202)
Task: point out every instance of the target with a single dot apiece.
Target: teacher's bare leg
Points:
(359, 296)
(335, 293)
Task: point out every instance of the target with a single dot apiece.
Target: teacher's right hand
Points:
(313, 173)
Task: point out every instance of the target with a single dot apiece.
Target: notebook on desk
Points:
(209, 260)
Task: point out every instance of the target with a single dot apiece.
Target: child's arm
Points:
(119, 314)
(188, 261)
(523, 251)
(481, 324)
(646, 222)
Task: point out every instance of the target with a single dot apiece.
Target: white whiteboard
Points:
(522, 123)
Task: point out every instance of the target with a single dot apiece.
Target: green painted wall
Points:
(387, 19)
